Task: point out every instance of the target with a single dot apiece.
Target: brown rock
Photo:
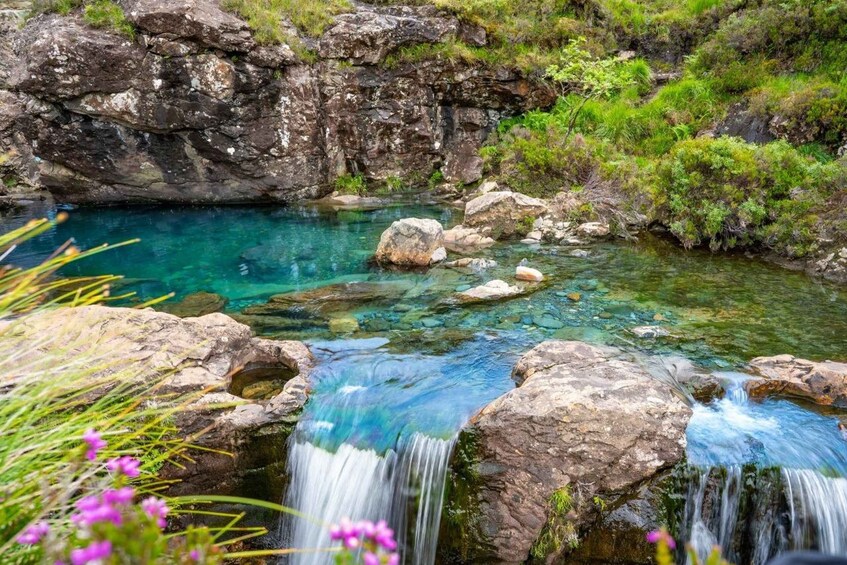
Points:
(499, 212)
(581, 416)
(821, 382)
(195, 357)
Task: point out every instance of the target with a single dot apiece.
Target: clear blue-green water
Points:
(420, 363)
(721, 309)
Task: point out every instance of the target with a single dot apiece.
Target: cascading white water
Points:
(701, 537)
(736, 446)
(818, 510)
(351, 483)
(360, 484)
(423, 470)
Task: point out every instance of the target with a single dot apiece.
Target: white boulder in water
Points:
(412, 242)
(523, 273)
(501, 211)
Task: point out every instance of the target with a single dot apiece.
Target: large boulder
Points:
(412, 242)
(500, 213)
(821, 382)
(193, 358)
(584, 425)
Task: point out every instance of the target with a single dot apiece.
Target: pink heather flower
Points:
(34, 533)
(657, 536)
(125, 465)
(123, 495)
(95, 444)
(383, 536)
(370, 558)
(157, 509)
(103, 513)
(97, 551)
(394, 559)
(194, 555)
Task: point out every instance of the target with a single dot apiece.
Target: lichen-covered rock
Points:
(821, 382)
(367, 35)
(193, 110)
(498, 213)
(193, 357)
(413, 242)
(584, 422)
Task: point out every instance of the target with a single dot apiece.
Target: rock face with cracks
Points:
(583, 421)
(194, 358)
(195, 110)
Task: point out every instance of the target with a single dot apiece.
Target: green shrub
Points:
(728, 193)
(351, 184)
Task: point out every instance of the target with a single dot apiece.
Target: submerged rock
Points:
(194, 357)
(821, 382)
(583, 425)
(650, 332)
(472, 263)
(492, 290)
(412, 242)
(195, 304)
(499, 213)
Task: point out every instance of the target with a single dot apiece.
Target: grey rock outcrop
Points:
(194, 110)
(194, 358)
(498, 213)
(584, 421)
(412, 242)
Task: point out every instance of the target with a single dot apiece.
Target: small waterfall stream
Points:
(378, 443)
(767, 477)
(360, 484)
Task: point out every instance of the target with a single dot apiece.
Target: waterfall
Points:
(402, 485)
(766, 477)
(818, 510)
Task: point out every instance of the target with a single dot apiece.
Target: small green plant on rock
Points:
(351, 184)
(524, 225)
(558, 532)
(107, 14)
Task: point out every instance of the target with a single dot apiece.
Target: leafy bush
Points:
(728, 193)
(351, 184)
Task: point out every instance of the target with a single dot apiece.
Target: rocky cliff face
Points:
(193, 109)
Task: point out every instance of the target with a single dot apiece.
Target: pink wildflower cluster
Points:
(101, 520)
(375, 539)
(661, 536)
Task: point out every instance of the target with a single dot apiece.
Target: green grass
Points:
(351, 184)
(107, 14)
(104, 14)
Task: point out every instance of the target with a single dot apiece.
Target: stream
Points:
(388, 401)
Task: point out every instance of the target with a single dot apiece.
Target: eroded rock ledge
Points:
(194, 359)
(585, 425)
(193, 110)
